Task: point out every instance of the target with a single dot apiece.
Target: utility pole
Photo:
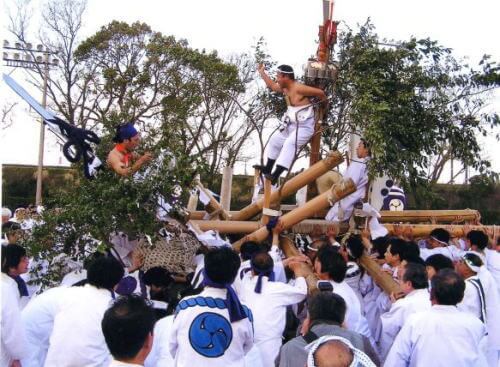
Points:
(24, 55)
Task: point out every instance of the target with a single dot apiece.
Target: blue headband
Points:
(236, 311)
(262, 273)
(127, 131)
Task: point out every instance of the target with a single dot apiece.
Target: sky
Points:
(290, 30)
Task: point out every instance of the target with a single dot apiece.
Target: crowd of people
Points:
(257, 308)
(253, 308)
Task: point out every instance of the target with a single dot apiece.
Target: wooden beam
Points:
(213, 207)
(303, 270)
(308, 225)
(431, 216)
(226, 186)
(383, 280)
(324, 200)
(294, 184)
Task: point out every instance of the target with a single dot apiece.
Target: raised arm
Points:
(271, 84)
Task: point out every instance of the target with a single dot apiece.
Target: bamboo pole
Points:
(337, 192)
(213, 205)
(333, 159)
(225, 190)
(307, 226)
(431, 216)
(383, 280)
(302, 270)
(267, 200)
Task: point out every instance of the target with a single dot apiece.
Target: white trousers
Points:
(285, 144)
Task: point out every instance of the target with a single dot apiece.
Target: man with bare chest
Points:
(298, 122)
(122, 159)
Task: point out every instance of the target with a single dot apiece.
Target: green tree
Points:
(418, 104)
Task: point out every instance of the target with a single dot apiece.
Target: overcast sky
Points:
(290, 27)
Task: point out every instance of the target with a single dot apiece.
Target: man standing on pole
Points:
(298, 123)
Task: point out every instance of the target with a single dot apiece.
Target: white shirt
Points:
(442, 336)
(202, 334)
(471, 303)
(38, 321)
(493, 265)
(13, 346)
(392, 321)
(354, 318)
(358, 172)
(269, 307)
(450, 251)
(160, 355)
(115, 363)
(77, 338)
(269, 311)
(245, 270)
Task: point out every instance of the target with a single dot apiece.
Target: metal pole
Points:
(41, 144)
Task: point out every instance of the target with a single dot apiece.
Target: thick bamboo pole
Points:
(337, 192)
(225, 190)
(302, 269)
(383, 279)
(307, 226)
(213, 205)
(431, 216)
(333, 159)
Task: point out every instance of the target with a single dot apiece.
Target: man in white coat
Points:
(358, 172)
(38, 321)
(128, 330)
(331, 267)
(213, 328)
(442, 336)
(12, 333)
(481, 299)
(268, 301)
(414, 285)
(77, 338)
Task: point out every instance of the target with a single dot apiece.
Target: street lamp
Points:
(23, 55)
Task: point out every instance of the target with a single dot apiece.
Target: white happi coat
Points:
(471, 303)
(297, 129)
(269, 311)
(13, 341)
(358, 172)
(451, 251)
(77, 338)
(202, 334)
(160, 355)
(493, 265)
(354, 318)
(392, 321)
(38, 321)
(245, 268)
(441, 337)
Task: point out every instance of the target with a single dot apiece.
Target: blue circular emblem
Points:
(210, 334)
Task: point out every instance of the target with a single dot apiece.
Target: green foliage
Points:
(413, 101)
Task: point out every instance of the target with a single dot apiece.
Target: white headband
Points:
(284, 72)
(441, 242)
(360, 358)
(474, 268)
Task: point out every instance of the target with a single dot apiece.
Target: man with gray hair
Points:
(6, 215)
(325, 317)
